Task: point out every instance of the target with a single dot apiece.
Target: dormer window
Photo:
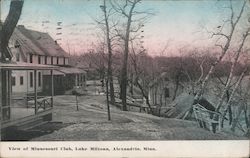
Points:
(31, 58)
(17, 44)
(17, 57)
(39, 59)
(51, 60)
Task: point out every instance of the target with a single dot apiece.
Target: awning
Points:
(26, 66)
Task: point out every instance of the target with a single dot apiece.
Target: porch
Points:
(21, 108)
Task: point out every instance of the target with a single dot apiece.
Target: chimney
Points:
(21, 26)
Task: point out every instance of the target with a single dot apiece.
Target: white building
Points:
(39, 48)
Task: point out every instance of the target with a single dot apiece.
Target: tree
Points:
(224, 48)
(226, 89)
(8, 27)
(141, 78)
(6, 30)
(108, 39)
(227, 37)
(239, 51)
(126, 9)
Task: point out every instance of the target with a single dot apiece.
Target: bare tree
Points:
(224, 48)
(139, 75)
(126, 9)
(239, 51)
(108, 38)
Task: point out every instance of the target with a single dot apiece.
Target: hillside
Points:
(90, 123)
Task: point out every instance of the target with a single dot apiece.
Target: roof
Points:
(26, 66)
(71, 70)
(65, 71)
(26, 44)
(41, 43)
(55, 72)
(182, 103)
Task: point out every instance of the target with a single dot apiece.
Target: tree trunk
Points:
(155, 95)
(177, 82)
(132, 85)
(232, 94)
(6, 30)
(112, 93)
(107, 98)
(8, 27)
(110, 74)
(229, 111)
(235, 120)
(144, 94)
(221, 99)
(124, 80)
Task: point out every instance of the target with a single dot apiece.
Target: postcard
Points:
(125, 78)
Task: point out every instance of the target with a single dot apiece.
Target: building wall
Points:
(25, 86)
(16, 54)
(66, 61)
(42, 58)
(54, 61)
(61, 61)
(22, 79)
(48, 60)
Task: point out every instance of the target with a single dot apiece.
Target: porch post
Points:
(1, 95)
(35, 90)
(75, 79)
(52, 87)
(9, 78)
(27, 76)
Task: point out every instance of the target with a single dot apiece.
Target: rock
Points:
(182, 104)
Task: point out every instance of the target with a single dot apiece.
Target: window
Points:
(57, 60)
(31, 79)
(17, 44)
(31, 58)
(21, 80)
(45, 60)
(17, 57)
(51, 60)
(64, 61)
(39, 79)
(39, 59)
(13, 81)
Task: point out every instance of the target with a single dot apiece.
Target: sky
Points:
(175, 23)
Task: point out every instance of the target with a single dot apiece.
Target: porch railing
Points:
(43, 102)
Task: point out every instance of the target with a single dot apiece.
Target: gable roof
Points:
(26, 44)
(43, 42)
